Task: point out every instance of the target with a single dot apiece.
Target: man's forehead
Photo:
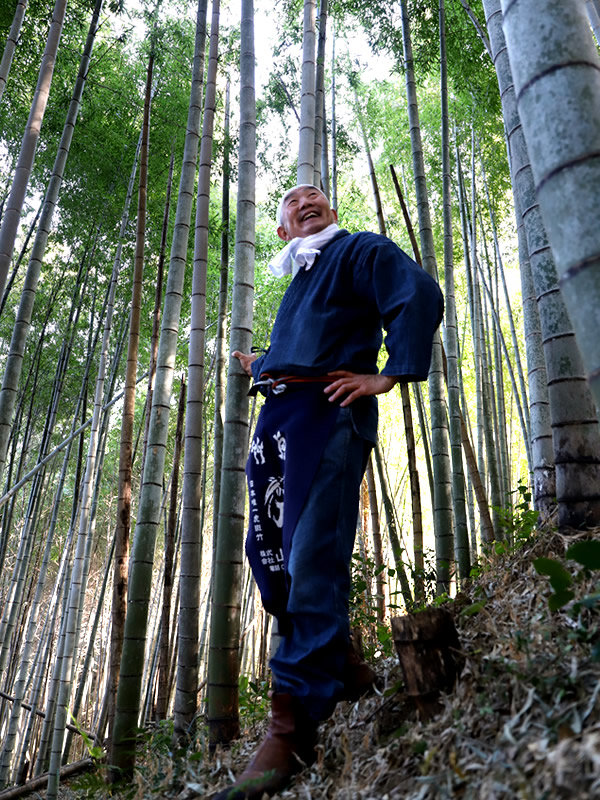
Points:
(291, 194)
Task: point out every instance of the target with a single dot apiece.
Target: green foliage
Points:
(567, 582)
(95, 752)
(518, 524)
(441, 599)
(517, 521)
(471, 72)
(253, 700)
(160, 768)
(586, 553)
(428, 578)
(159, 739)
(560, 580)
(91, 784)
(420, 747)
(473, 609)
(377, 637)
(6, 17)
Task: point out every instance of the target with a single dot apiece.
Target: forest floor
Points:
(522, 722)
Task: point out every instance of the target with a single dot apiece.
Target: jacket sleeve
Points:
(411, 306)
(256, 366)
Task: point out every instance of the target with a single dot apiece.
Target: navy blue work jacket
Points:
(331, 316)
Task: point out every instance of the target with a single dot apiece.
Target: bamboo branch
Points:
(288, 96)
(478, 27)
(42, 463)
(39, 713)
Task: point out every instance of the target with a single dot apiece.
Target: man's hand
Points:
(245, 361)
(354, 385)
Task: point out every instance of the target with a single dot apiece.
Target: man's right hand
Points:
(245, 360)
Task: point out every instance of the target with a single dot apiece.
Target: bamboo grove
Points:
(143, 151)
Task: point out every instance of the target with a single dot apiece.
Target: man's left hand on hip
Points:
(354, 385)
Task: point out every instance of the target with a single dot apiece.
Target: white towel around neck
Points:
(301, 252)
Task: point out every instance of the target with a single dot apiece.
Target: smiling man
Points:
(309, 452)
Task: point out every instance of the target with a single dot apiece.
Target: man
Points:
(309, 452)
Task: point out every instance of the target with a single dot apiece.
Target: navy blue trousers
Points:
(315, 627)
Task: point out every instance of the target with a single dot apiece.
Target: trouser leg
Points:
(315, 633)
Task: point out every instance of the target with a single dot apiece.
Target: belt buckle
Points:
(260, 386)
(267, 386)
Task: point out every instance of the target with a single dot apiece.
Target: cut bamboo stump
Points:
(429, 652)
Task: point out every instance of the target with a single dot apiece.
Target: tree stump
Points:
(429, 652)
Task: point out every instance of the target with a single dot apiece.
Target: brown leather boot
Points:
(287, 747)
(359, 678)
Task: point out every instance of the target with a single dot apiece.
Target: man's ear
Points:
(283, 234)
(335, 216)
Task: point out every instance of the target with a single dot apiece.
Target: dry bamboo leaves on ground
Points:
(522, 722)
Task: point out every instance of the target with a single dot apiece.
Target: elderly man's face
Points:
(305, 211)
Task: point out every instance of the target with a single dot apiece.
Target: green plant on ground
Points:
(253, 700)
(570, 583)
(431, 594)
(95, 752)
(517, 522)
(376, 636)
(91, 784)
